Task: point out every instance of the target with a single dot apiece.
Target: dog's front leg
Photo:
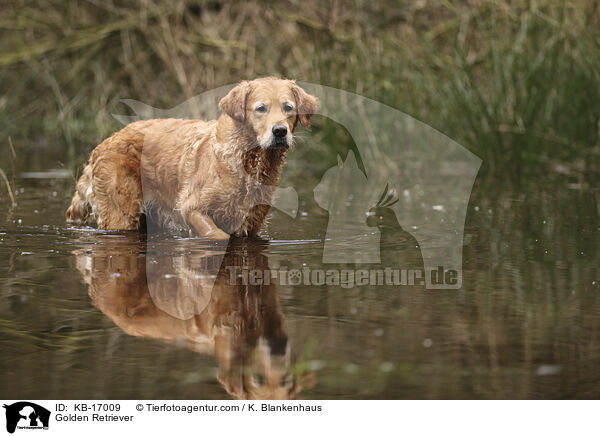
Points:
(205, 226)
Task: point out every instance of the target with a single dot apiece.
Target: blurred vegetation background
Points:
(516, 82)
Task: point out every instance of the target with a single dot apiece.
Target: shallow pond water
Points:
(91, 314)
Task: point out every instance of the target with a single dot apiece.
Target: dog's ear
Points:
(234, 103)
(306, 105)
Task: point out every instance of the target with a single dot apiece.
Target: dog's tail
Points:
(80, 209)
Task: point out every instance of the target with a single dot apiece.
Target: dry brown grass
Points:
(514, 81)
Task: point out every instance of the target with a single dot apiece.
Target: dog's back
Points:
(134, 168)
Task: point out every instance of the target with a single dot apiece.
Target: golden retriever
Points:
(215, 178)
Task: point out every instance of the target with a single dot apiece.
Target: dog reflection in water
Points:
(189, 298)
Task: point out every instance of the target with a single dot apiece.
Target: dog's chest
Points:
(254, 193)
(240, 204)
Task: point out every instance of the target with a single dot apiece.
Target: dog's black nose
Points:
(279, 130)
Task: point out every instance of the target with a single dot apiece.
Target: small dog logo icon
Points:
(26, 415)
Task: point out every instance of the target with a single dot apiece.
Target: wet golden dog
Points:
(214, 177)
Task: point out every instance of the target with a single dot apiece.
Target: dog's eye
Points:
(287, 107)
(262, 109)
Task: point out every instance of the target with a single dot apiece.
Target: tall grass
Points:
(516, 82)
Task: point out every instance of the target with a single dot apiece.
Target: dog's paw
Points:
(217, 235)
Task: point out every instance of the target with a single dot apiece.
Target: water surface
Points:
(91, 314)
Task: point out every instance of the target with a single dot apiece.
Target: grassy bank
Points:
(517, 82)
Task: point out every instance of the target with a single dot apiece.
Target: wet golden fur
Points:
(215, 177)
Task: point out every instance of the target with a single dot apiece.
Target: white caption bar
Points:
(157, 417)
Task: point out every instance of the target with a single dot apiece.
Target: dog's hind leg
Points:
(117, 192)
(79, 212)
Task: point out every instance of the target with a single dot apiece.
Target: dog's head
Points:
(271, 107)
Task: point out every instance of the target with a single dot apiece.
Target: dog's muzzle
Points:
(278, 143)
(280, 139)
(279, 131)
